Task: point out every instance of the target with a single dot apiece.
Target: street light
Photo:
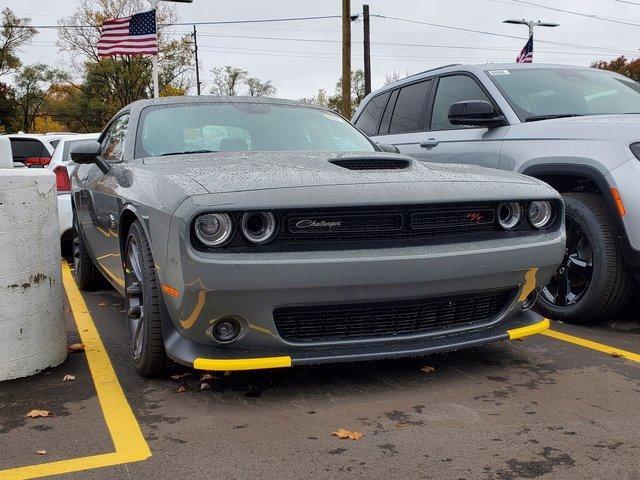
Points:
(531, 24)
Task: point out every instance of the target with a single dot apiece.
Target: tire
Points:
(611, 284)
(142, 305)
(86, 274)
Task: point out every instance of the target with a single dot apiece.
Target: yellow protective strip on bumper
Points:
(529, 330)
(241, 363)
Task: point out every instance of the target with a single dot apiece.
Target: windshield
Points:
(239, 127)
(538, 93)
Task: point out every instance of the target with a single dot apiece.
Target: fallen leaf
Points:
(68, 378)
(402, 424)
(615, 354)
(206, 377)
(38, 413)
(75, 347)
(181, 389)
(41, 452)
(180, 376)
(342, 433)
(427, 369)
(205, 386)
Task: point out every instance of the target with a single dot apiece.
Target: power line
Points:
(581, 14)
(223, 22)
(494, 34)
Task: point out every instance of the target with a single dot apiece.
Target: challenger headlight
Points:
(510, 215)
(540, 214)
(214, 229)
(258, 227)
(635, 149)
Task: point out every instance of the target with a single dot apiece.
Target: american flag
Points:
(134, 35)
(526, 55)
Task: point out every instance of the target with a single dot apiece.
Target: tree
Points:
(227, 80)
(14, 34)
(628, 68)
(390, 78)
(7, 107)
(320, 98)
(357, 92)
(258, 88)
(32, 86)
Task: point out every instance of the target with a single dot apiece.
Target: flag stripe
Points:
(134, 35)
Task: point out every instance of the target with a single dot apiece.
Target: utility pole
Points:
(195, 51)
(367, 49)
(346, 58)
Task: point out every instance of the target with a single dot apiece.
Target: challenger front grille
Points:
(327, 323)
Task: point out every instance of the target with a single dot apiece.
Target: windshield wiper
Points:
(534, 118)
(188, 151)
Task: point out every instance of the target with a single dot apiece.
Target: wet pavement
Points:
(540, 408)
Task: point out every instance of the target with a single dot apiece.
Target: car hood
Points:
(245, 171)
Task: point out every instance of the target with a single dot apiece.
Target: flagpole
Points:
(154, 59)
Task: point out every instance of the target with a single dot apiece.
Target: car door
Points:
(405, 117)
(446, 143)
(101, 202)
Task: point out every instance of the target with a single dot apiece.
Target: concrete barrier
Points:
(32, 333)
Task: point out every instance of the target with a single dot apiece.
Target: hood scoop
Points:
(371, 163)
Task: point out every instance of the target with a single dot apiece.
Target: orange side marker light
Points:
(169, 290)
(618, 199)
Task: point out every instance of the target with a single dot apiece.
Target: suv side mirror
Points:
(88, 151)
(475, 113)
(385, 147)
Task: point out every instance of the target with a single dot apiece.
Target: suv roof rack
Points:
(434, 69)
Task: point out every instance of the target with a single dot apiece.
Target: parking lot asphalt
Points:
(540, 408)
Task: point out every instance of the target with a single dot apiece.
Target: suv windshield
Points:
(540, 93)
(238, 127)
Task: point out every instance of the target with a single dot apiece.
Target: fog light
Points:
(226, 330)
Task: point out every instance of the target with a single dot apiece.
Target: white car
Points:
(62, 166)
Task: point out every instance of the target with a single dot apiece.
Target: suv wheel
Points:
(592, 283)
(142, 304)
(86, 274)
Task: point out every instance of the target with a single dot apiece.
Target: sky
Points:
(304, 56)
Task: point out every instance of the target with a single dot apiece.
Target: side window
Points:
(386, 118)
(113, 143)
(370, 118)
(456, 88)
(407, 114)
(23, 148)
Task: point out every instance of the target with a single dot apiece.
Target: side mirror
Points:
(385, 147)
(475, 113)
(88, 151)
(37, 161)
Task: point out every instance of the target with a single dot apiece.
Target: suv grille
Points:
(319, 323)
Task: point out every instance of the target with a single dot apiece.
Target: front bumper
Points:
(207, 287)
(202, 358)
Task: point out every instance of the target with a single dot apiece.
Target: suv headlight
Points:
(540, 214)
(214, 229)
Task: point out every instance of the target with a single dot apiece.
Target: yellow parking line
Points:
(583, 342)
(129, 443)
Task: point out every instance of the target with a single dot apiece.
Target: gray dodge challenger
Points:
(249, 233)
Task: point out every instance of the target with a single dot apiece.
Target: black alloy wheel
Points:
(573, 277)
(592, 284)
(142, 305)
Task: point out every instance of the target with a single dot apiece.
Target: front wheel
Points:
(142, 305)
(592, 283)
